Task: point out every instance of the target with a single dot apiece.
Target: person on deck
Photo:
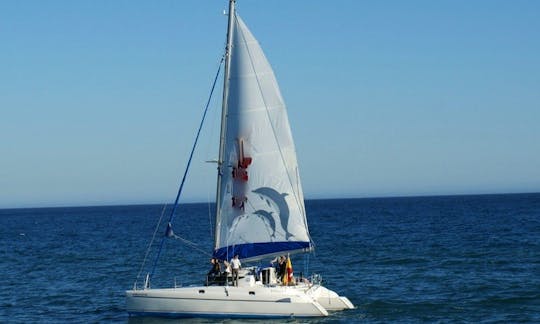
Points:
(282, 271)
(236, 265)
(216, 268)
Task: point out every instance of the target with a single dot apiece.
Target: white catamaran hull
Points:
(223, 301)
(328, 299)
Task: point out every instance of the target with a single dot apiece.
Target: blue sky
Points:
(100, 100)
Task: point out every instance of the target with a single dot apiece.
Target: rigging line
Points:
(306, 264)
(303, 210)
(210, 158)
(297, 200)
(151, 241)
(193, 245)
(210, 217)
(171, 217)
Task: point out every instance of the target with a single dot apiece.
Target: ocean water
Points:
(427, 259)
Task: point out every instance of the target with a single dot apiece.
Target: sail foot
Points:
(257, 251)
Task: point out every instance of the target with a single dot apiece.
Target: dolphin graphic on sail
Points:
(279, 200)
(269, 218)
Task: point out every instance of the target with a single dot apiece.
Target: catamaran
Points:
(260, 211)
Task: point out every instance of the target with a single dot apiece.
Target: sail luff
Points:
(226, 76)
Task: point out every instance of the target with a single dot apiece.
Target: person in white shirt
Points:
(235, 264)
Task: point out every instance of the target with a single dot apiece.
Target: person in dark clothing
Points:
(216, 268)
(282, 268)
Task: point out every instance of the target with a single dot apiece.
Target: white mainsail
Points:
(260, 201)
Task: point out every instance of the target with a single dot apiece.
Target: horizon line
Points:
(195, 201)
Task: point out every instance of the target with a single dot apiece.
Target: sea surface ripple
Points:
(422, 259)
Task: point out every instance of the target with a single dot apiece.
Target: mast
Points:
(224, 109)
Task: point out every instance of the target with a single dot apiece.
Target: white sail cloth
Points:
(261, 209)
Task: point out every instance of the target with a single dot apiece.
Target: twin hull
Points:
(223, 301)
(327, 298)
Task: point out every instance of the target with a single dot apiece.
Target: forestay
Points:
(260, 201)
